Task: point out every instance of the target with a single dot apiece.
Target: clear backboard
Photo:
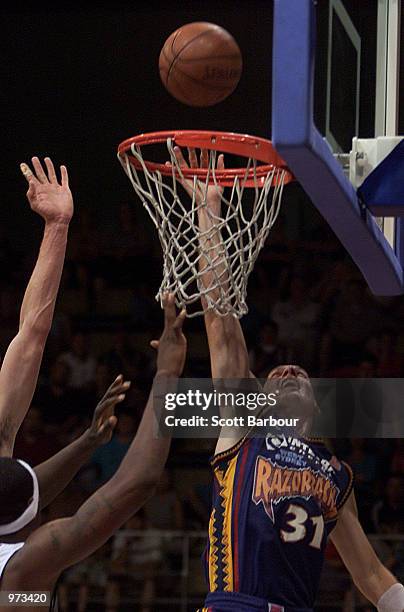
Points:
(360, 41)
(349, 51)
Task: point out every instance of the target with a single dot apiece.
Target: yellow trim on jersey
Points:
(226, 482)
(213, 552)
(230, 451)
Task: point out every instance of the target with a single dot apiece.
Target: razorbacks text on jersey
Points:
(275, 500)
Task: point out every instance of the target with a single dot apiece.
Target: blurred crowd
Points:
(307, 304)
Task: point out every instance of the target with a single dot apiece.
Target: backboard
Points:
(348, 50)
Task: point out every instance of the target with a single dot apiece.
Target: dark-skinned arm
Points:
(61, 543)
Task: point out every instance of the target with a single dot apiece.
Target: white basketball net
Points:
(241, 231)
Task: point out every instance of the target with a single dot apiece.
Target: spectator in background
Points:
(58, 402)
(268, 352)
(164, 509)
(196, 503)
(107, 458)
(397, 460)
(388, 518)
(90, 574)
(84, 241)
(144, 307)
(364, 466)
(33, 444)
(123, 357)
(103, 373)
(367, 367)
(135, 558)
(81, 363)
(383, 346)
(124, 247)
(388, 513)
(352, 318)
(296, 318)
(335, 582)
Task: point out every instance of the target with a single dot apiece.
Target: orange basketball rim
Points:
(251, 147)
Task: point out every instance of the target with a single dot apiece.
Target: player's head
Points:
(19, 494)
(295, 395)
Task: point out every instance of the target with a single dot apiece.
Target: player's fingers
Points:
(111, 421)
(180, 158)
(27, 172)
(220, 162)
(51, 170)
(31, 191)
(169, 310)
(179, 321)
(113, 386)
(204, 158)
(109, 424)
(117, 389)
(65, 176)
(154, 344)
(109, 403)
(193, 160)
(118, 381)
(40, 174)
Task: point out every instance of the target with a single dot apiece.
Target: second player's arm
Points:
(22, 361)
(370, 576)
(61, 543)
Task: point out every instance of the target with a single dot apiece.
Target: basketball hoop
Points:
(242, 226)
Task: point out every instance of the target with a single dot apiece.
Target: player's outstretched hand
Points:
(104, 419)
(47, 197)
(214, 192)
(172, 346)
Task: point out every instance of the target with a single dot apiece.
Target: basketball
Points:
(200, 64)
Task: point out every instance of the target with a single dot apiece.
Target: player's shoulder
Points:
(339, 471)
(40, 556)
(323, 449)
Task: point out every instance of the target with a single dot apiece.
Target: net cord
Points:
(242, 233)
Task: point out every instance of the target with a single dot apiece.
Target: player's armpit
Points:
(368, 573)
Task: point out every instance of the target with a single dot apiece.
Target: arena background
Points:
(74, 83)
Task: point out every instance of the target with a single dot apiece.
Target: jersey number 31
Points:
(298, 523)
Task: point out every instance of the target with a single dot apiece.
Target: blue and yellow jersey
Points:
(275, 501)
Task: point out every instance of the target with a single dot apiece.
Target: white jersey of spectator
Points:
(141, 550)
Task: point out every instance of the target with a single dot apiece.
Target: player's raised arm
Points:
(52, 200)
(61, 543)
(371, 577)
(227, 347)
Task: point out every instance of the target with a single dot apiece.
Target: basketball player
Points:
(276, 499)
(19, 371)
(51, 548)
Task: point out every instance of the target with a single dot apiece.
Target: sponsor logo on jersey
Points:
(297, 452)
(274, 483)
